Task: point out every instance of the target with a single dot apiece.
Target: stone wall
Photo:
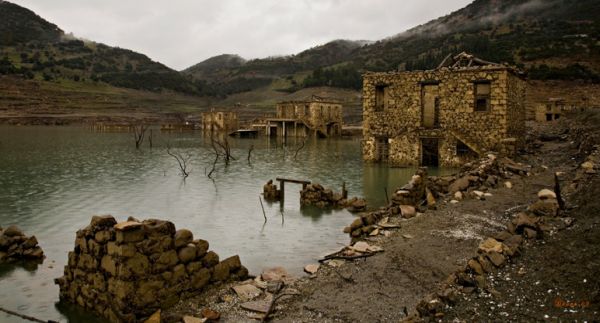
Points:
(316, 195)
(318, 115)
(220, 121)
(126, 271)
(399, 120)
(15, 245)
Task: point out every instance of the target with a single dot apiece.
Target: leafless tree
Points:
(250, 152)
(182, 161)
(138, 134)
(300, 147)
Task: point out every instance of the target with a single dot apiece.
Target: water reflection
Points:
(52, 180)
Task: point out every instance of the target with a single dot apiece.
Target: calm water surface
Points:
(53, 179)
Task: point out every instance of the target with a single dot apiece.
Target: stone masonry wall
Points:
(126, 271)
(400, 119)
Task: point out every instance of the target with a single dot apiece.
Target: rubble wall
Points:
(127, 271)
(400, 121)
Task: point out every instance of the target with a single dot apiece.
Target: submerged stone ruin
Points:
(127, 271)
(319, 196)
(15, 246)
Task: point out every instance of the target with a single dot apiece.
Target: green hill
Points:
(37, 49)
(550, 39)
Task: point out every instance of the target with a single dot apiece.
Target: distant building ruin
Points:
(220, 121)
(316, 116)
(443, 117)
(549, 111)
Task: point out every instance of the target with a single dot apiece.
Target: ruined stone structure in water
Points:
(443, 117)
(126, 271)
(220, 121)
(316, 116)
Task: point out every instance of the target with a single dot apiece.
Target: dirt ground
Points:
(554, 278)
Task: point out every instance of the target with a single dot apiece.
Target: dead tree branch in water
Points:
(300, 148)
(263, 208)
(138, 134)
(250, 152)
(182, 161)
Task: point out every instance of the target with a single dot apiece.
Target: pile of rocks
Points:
(315, 194)
(270, 191)
(475, 179)
(492, 253)
(15, 245)
(587, 169)
(414, 191)
(127, 271)
(404, 203)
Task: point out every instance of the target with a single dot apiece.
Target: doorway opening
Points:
(430, 152)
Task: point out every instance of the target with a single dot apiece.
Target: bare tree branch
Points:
(182, 161)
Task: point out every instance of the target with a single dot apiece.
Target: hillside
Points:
(550, 39)
(232, 73)
(37, 49)
(19, 25)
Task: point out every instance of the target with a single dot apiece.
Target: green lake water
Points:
(53, 179)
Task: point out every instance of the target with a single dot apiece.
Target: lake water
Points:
(53, 179)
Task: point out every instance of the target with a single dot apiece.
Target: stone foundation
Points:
(15, 245)
(317, 195)
(270, 191)
(127, 271)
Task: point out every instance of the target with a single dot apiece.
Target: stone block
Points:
(183, 237)
(187, 253)
(200, 278)
(120, 250)
(210, 260)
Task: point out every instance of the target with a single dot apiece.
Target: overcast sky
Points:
(181, 33)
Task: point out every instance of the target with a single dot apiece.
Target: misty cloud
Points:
(182, 33)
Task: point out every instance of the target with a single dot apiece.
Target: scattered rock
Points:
(475, 267)
(496, 258)
(508, 184)
(312, 268)
(335, 262)
(154, 318)
(490, 245)
(546, 194)
(408, 211)
(458, 195)
(261, 306)
(460, 184)
(247, 292)
(276, 274)
(361, 246)
(193, 319)
(211, 315)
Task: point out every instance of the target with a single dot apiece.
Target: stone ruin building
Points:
(127, 271)
(316, 116)
(549, 111)
(220, 121)
(443, 117)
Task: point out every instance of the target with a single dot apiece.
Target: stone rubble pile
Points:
(270, 191)
(126, 271)
(315, 194)
(588, 168)
(494, 252)
(15, 245)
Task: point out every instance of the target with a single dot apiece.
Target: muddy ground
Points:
(554, 278)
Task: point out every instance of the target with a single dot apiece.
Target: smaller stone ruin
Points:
(315, 194)
(15, 245)
(127, 271)
(270, 191)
